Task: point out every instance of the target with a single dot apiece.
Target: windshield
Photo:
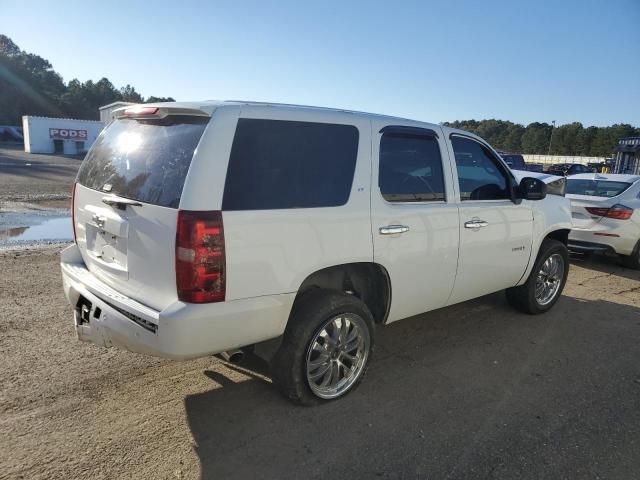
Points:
(596, 188)
(146, 160)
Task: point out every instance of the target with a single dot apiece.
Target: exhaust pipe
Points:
(232, 356)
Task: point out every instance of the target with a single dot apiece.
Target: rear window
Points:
(146, 160)
(276, 164)
(596, 188)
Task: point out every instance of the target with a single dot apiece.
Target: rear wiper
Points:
(120, 203)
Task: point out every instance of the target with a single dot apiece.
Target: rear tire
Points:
(329, 339)
(543, 288)
(633, 260)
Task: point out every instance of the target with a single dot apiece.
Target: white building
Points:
(106, 111)
(59, 135)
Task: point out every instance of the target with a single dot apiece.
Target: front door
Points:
(415, 224)
(495, 233)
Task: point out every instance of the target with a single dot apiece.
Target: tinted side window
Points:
(277, 164)
(479, 176)
(410, 169)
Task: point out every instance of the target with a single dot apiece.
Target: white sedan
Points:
(606, 215)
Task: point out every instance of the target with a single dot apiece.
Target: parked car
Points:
(534, 167)
(516, 162)
(606, 215)
(565, 169)
(206, 227)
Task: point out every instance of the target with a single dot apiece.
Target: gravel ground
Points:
(27, 177)
(471, 391)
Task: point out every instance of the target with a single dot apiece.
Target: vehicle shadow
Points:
(605, 264)
(473, 390)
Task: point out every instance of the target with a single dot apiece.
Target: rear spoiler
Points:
(160, 111)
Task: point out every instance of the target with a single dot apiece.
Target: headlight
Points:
(557, 187)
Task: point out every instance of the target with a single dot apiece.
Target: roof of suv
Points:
(210, 105)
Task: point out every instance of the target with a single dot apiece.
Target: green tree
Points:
(535, 138)
(82, 100)
(153, 99)
(589, 134)
(513, 140)
(30, 86)
(129, 94)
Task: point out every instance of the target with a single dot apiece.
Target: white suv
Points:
(202, 228)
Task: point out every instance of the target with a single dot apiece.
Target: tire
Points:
(309, 338)
(633, 260)
(523, 298)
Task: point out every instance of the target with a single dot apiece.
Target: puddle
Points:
(33, 229)
(50, 229)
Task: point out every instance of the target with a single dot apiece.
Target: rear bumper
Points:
(589, 247)
(594, 240)
(180, 331)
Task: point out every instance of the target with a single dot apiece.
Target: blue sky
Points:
(435, 61)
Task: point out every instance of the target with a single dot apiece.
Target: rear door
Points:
(126, 202)
(495, 234)
(414, 216)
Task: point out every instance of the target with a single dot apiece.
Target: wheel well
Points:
(367, 281)
(561, 235)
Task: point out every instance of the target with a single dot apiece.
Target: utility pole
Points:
(553, 127)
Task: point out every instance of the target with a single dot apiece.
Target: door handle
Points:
(475, 224)
(391, 229)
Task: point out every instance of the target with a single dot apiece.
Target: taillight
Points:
(73, 211)
(620, 212)
(200, 257)
(617, 212)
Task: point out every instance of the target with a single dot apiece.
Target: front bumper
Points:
(180, 331)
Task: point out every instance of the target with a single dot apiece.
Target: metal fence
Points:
(554, 159)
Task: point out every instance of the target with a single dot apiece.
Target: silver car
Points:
(606, 215)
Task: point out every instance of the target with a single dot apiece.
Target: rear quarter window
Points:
(277, 164)
(145, 160)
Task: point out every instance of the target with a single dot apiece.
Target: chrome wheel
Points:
(337, 355)
(549, 279)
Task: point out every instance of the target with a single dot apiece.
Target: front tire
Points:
(326, 347)
(546, 280)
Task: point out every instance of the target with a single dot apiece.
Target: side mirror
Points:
(532, 189)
